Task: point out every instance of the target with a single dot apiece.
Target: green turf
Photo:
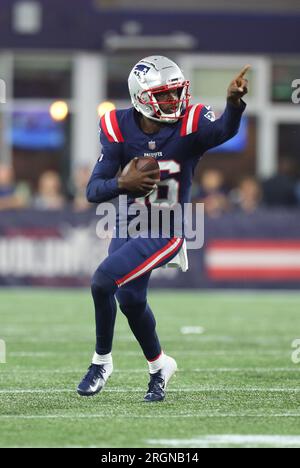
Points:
(237, 378)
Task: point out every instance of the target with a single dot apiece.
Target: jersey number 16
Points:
(168, 187)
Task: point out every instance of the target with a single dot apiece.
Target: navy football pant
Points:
(125, 273)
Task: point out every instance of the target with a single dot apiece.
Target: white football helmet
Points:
(153, 75)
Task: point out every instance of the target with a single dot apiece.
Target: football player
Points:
(161, 123)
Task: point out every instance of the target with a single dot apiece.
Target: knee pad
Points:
(102, 284)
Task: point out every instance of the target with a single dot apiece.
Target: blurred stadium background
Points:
(62, 66)
(65, 63)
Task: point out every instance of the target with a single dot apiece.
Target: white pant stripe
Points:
(156, 260)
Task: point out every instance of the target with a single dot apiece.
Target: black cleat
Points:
(156, 388)
(158, 382)
(95, 379)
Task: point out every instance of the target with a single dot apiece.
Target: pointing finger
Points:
(243, 72)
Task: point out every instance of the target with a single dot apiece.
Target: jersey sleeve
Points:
(212, 132)
(103, 184)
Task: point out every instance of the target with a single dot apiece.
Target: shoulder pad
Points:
(190, 120)
(110, 126)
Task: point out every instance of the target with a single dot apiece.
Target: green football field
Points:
(236, 385)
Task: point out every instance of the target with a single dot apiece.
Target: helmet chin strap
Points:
(163, 119)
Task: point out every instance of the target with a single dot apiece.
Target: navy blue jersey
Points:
(177, 147)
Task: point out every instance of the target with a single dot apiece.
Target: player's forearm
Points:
(101, 190)
(229, 123)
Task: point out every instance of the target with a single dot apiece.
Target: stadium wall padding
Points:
(260, 250)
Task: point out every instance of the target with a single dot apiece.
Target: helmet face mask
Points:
(169, 110)
(158, 89)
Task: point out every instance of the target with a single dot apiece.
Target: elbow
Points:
(90, 194)
(94, 194)
(229, 134)
(234, 132)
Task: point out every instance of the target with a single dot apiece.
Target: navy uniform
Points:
(125, 273)
(178, 148)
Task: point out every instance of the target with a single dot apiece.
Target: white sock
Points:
(155, 366)
(102, 359)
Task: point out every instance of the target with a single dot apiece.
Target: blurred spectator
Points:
(81, 178)
(12, 196)
(280, 190)
(248, 195)
(49, 196)
(212, 193)
(212, 181)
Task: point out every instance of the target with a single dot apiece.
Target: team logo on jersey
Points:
(141, 70)
(152, 145)
(210, 116)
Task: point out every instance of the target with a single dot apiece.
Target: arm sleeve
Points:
(212, 133)
(103, 184)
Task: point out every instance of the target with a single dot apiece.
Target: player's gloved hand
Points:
(238, 87)
(134, 180)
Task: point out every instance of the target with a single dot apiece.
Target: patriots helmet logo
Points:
(141, 70)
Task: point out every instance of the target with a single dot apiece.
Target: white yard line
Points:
(38, 354)
(230, 439)
(221, 370)
(265, 370)
(248, 352)
(256, 352)
(204, 388)
(196, 414)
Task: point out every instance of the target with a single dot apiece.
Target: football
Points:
(145, 164)
(148, 163)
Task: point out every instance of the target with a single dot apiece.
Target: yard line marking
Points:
(212, 414)
(256, 352)
(266, 370)
(65, 371)
(229, 439)
(32, 354)
(248, 352)
(192, 330)
(204, 388)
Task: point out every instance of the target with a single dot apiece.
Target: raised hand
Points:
(238, 87)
